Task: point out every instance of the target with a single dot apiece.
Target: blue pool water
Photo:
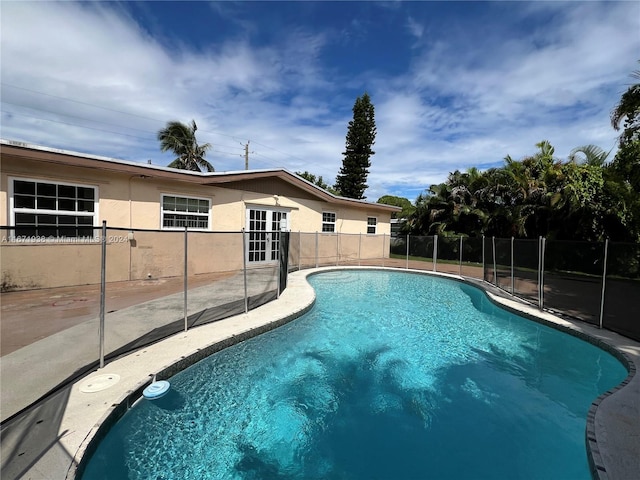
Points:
(392, 376)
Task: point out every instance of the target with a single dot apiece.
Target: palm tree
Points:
(627, 161)
(181, 140)
(591, 155)
(629, 109)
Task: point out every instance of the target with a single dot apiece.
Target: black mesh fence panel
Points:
(622, 292)
(489, 274)
(58, 279)
(144, 288)
(449, 250)
(327, 249)
(421, 252)
(448, 253)
(525, 269)
(215, 281)
(349, 249)
(573, 278)
(308, 246)
(398, 247)
(472, 258)
(284, 261)
(374, 249)
(502, 263)
(295, 242)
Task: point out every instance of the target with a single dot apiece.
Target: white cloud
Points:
(462, 102)
(564, 88)
(416, 29)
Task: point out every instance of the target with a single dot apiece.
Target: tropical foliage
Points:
(626, 164)
(351, 182)
(180, 139)
(584, 197)
(404, 203)
(539, 195)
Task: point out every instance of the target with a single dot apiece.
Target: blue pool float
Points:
(156, 390)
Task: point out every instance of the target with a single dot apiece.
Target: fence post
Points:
(604, 280)
(244, 270)
(495, 268)
(435, 253)
(186, 266)
(359, 247)
(316, 249)
(460, 271)
(512, 280)
(539, 260)
(103, 286)
(408, 251)
(542, 250)
(384, 238)
(299, 250)
(483, 275)
(279, 263)
(337, 248)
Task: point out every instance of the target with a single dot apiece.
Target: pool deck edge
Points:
(89, 416)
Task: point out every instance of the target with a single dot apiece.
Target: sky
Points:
(455, 84)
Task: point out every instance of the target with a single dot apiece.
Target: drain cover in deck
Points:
(99, 382)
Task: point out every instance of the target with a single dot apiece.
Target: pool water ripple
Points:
(390, 375)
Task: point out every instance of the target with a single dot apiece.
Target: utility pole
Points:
(246, 156)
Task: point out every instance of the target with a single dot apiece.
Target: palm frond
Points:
(593, 155)
(181, 140)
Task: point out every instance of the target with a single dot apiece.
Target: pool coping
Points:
(612, 440)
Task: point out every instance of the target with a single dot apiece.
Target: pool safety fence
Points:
(319, 249)
(596, 282)
(118, 289)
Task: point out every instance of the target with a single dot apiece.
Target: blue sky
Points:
(454, 84)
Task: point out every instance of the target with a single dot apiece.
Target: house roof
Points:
(221, 179)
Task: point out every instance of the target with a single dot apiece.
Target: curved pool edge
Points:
(612, 433)
(613, 421)
(88, 417)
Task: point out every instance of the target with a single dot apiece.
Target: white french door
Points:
(263, 227)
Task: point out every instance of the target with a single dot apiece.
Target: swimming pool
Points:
(390, 375)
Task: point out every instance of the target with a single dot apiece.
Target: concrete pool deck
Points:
(73, 418)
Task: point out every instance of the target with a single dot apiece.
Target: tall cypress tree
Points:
(351, 182)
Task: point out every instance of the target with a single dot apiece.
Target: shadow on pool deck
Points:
(31, 315)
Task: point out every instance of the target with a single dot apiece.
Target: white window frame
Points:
(326, 223)
(185, 213)
(13, 210)
(374, 225)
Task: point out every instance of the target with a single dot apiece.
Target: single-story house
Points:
(48, 195)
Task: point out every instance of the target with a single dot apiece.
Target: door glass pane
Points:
(257, 251)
